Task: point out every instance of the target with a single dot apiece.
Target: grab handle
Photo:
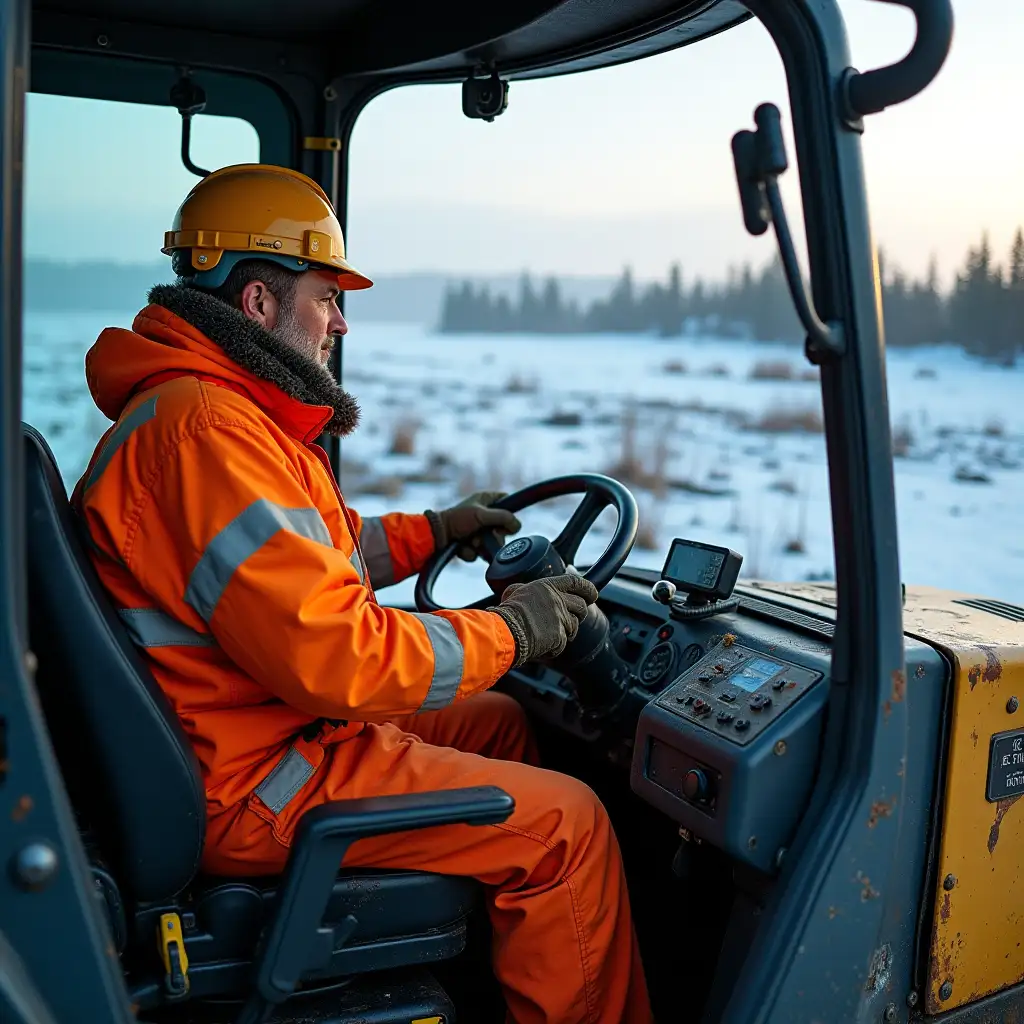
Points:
(869, 92)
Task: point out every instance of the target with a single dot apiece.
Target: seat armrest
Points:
(294, 939)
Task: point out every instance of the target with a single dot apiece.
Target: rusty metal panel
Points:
(977, 940)
(976, 945)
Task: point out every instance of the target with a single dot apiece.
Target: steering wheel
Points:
(523, 559)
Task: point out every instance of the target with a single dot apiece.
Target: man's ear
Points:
(257, 302)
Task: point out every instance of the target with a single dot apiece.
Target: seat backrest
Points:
(130, 770)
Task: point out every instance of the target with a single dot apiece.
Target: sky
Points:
(583, 174)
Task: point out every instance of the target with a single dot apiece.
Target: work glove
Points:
(468, 520)
(544, 615)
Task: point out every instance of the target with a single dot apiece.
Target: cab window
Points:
(94, 225)
(570, 289)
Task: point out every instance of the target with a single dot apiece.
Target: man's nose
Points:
(337, 323)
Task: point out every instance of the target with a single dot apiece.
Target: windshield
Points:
(556, 296)
(570, 288)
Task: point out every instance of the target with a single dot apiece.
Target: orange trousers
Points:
(564, 945)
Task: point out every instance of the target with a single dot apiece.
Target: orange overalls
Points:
(222, 537)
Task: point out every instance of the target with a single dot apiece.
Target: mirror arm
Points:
(189, 99)
(759, 158)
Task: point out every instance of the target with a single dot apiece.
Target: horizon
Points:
(1000, 261)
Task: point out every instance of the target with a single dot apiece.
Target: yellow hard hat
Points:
(259, 211)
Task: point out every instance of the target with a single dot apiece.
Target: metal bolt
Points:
(34, 865)
(890, 1013)
(102, 40)
(780, 748)
(203, 259)
(911, 999)
(1011, 705)
(948, 882)
(947, 990)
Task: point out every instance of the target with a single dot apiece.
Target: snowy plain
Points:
(713, 440)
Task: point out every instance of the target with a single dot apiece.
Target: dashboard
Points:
(721, 720)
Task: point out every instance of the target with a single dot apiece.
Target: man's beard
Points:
(291, 332)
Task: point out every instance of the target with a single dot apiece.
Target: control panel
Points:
(728, 748)
(737, 692)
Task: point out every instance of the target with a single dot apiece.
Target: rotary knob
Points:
(695, 785)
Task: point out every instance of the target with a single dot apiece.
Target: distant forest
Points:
(983, 311)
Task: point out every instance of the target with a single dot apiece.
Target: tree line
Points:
(983, 311)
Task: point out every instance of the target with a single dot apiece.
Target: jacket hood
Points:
(186, 332)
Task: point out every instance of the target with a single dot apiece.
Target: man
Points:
(221, 534)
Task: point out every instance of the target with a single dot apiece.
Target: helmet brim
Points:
(349, 279)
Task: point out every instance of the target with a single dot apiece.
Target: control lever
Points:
(683, 866)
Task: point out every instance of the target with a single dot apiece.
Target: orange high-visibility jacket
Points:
(218, 528)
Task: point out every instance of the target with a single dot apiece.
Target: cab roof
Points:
(405, 39)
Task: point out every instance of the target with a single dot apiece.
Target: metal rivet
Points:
(34, 865)
(203, 259)
(1012, 704)
(911, 999)
(890, 1012)
(780, 748)
(948, 882)
(102, 40)
(947, 990)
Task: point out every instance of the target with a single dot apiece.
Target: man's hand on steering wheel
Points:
(469, 520)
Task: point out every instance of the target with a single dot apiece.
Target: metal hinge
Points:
(321, 144)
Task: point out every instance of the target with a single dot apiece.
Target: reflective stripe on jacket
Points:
(218, 529)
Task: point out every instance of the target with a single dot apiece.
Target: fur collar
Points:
(260, 353)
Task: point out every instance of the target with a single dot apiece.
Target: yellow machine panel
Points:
(977, 940)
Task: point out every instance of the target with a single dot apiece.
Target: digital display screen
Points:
(754, 673)
(692, 566)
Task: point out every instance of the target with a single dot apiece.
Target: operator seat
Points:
(136, 787)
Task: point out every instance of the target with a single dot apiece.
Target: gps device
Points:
(702, 569)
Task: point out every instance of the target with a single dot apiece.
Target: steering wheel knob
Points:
(514, 550)
(521, 560)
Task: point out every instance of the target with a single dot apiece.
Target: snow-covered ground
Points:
(710, 451)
